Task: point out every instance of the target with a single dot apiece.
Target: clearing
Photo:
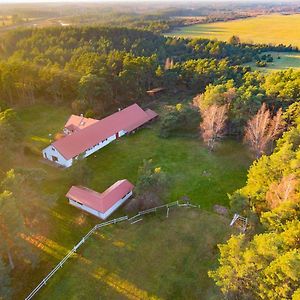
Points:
(203, 176)
(287, 60)
(157, 258)
(273, 29)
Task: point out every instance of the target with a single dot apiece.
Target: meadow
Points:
(281, 61)
(204, 177)
(273, 29)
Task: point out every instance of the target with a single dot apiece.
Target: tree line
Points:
(265, 262)
(96, 69)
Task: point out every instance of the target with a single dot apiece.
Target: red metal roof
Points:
(100, 201)
(75, 123)
(127, 119)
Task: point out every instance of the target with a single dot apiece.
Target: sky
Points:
(166, 1)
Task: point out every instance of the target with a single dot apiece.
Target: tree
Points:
(234, 40)
(150, 186)
(267, 267)
(262, 129)
(285, 189)
(179, 120)
(213, 125)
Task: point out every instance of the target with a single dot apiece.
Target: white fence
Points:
(98, 226)
(60, 264)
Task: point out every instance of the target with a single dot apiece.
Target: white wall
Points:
(98, 214)
(122, 132)
(100, 145)
(51, 151)
(116, 206)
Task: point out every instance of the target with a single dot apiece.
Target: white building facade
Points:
(52, 154)
(101, 215)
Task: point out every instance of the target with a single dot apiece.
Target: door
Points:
(54, 158)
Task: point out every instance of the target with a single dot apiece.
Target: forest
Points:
(94, 70)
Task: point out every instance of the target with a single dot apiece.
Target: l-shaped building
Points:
(84, 136)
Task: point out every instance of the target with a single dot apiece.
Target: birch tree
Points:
(262, 129)
(213, 125)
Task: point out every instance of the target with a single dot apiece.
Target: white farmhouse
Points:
(84, 136)
(100, 205)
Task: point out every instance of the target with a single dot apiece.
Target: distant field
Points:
(274, 29)
(287, 60)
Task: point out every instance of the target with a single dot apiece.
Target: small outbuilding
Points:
(101, 205)
(155, 91)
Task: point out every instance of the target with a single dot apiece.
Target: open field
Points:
(157, 258)
(205, 177)
(287, 60)
(274, 29)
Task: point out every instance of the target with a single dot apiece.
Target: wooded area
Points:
(95, 70)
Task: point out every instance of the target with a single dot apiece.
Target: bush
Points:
(261, 64)
(89, 113)
(180, 120)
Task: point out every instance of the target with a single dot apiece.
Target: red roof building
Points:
(76, 123)
(92, 134)
(101, 205)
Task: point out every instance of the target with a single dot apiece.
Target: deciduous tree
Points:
(213, 125)
(262, 129)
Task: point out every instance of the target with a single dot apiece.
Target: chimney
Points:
(81, 123)
(119, 109)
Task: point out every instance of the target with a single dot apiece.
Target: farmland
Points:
(273, 29)
(193, 171)
(281, 61)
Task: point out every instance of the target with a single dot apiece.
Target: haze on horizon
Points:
(161, 1)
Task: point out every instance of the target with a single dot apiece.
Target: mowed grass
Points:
(192, 170)
(273, 29)
(287, 60)
(157, 258)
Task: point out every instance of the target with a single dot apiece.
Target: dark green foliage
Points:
(151, 185)
(109, 67)
(261, 64)
(180, 120)
(267, 265)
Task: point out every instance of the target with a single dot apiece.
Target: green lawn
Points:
(157, 258)
(274, 29)
(287, 60)
(205, 177)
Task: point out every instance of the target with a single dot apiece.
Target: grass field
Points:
(274, 29)
(287, 60)
(205, 177)
(157, 258)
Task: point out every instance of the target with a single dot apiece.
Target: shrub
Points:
(180, 120)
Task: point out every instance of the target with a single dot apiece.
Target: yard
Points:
(157, 258)
(193, 171)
